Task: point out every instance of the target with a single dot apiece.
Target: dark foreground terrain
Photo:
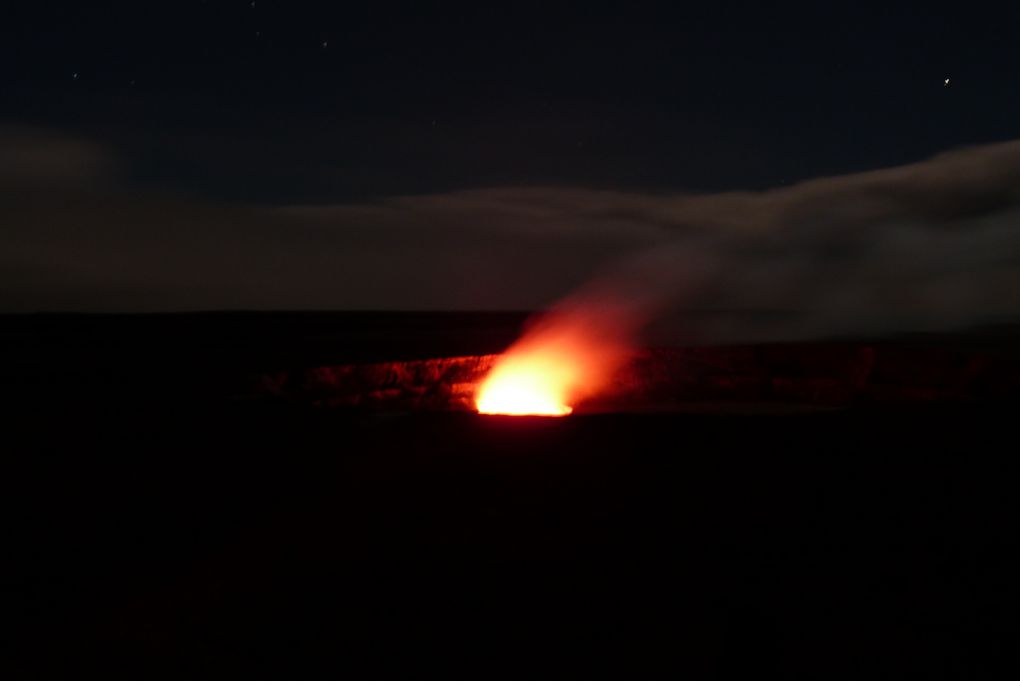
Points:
(162, 516)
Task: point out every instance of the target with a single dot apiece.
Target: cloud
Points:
(43, 159)
(931, 245)
(927, 246)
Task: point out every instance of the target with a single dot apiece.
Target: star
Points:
(945, 83)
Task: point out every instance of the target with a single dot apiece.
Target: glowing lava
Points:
(527, 383)
(566, 357)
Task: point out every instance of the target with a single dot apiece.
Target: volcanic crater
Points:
(767, 377)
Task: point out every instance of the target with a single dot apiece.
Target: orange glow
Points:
(530, 383)
(565, 358)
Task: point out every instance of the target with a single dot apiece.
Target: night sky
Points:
(228, 123)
